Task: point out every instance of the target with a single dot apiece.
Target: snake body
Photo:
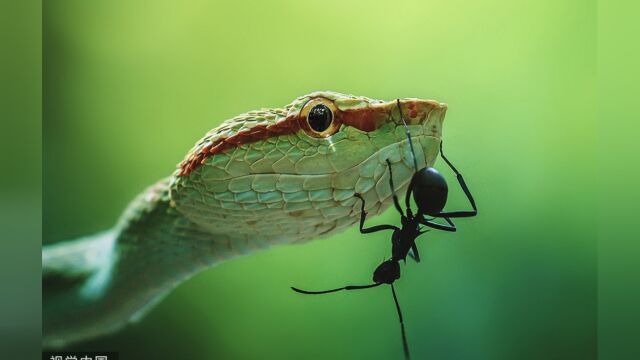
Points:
(259, 179)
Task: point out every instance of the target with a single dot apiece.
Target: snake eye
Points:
(320, 118)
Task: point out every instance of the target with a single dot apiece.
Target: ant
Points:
(429, 190)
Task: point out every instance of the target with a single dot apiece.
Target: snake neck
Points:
(159, 244)
(154, 223)
(98, 284)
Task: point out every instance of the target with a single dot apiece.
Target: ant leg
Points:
(348, 287)
(465, 188)
(395, 197)
(415, 255)
(405, 346)
(363, 217)
(451, 227)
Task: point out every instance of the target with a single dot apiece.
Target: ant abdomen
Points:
(387, 272)
(430, 191)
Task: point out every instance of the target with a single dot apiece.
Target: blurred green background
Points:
(20, 179)
(129, 86)
(618, 250)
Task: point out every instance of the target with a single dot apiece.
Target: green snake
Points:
(266, 177)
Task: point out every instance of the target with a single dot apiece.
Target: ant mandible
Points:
(429, 190)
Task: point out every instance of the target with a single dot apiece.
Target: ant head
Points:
(429, 191)
(387, 272)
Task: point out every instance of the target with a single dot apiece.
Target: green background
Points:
(129, 86)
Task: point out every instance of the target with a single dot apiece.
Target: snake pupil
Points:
(320, 118)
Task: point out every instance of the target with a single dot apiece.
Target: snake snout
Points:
(428, 113)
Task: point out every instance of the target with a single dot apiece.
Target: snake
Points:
(267, 177)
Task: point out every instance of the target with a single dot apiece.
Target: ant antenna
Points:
(406, 130)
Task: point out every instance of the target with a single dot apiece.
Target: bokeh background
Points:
(20, 179)
(129, 86)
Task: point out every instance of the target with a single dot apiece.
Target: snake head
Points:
(290, 174)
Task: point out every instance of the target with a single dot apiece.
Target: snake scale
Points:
(262, 178)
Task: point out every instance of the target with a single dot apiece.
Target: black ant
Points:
(430, 191)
